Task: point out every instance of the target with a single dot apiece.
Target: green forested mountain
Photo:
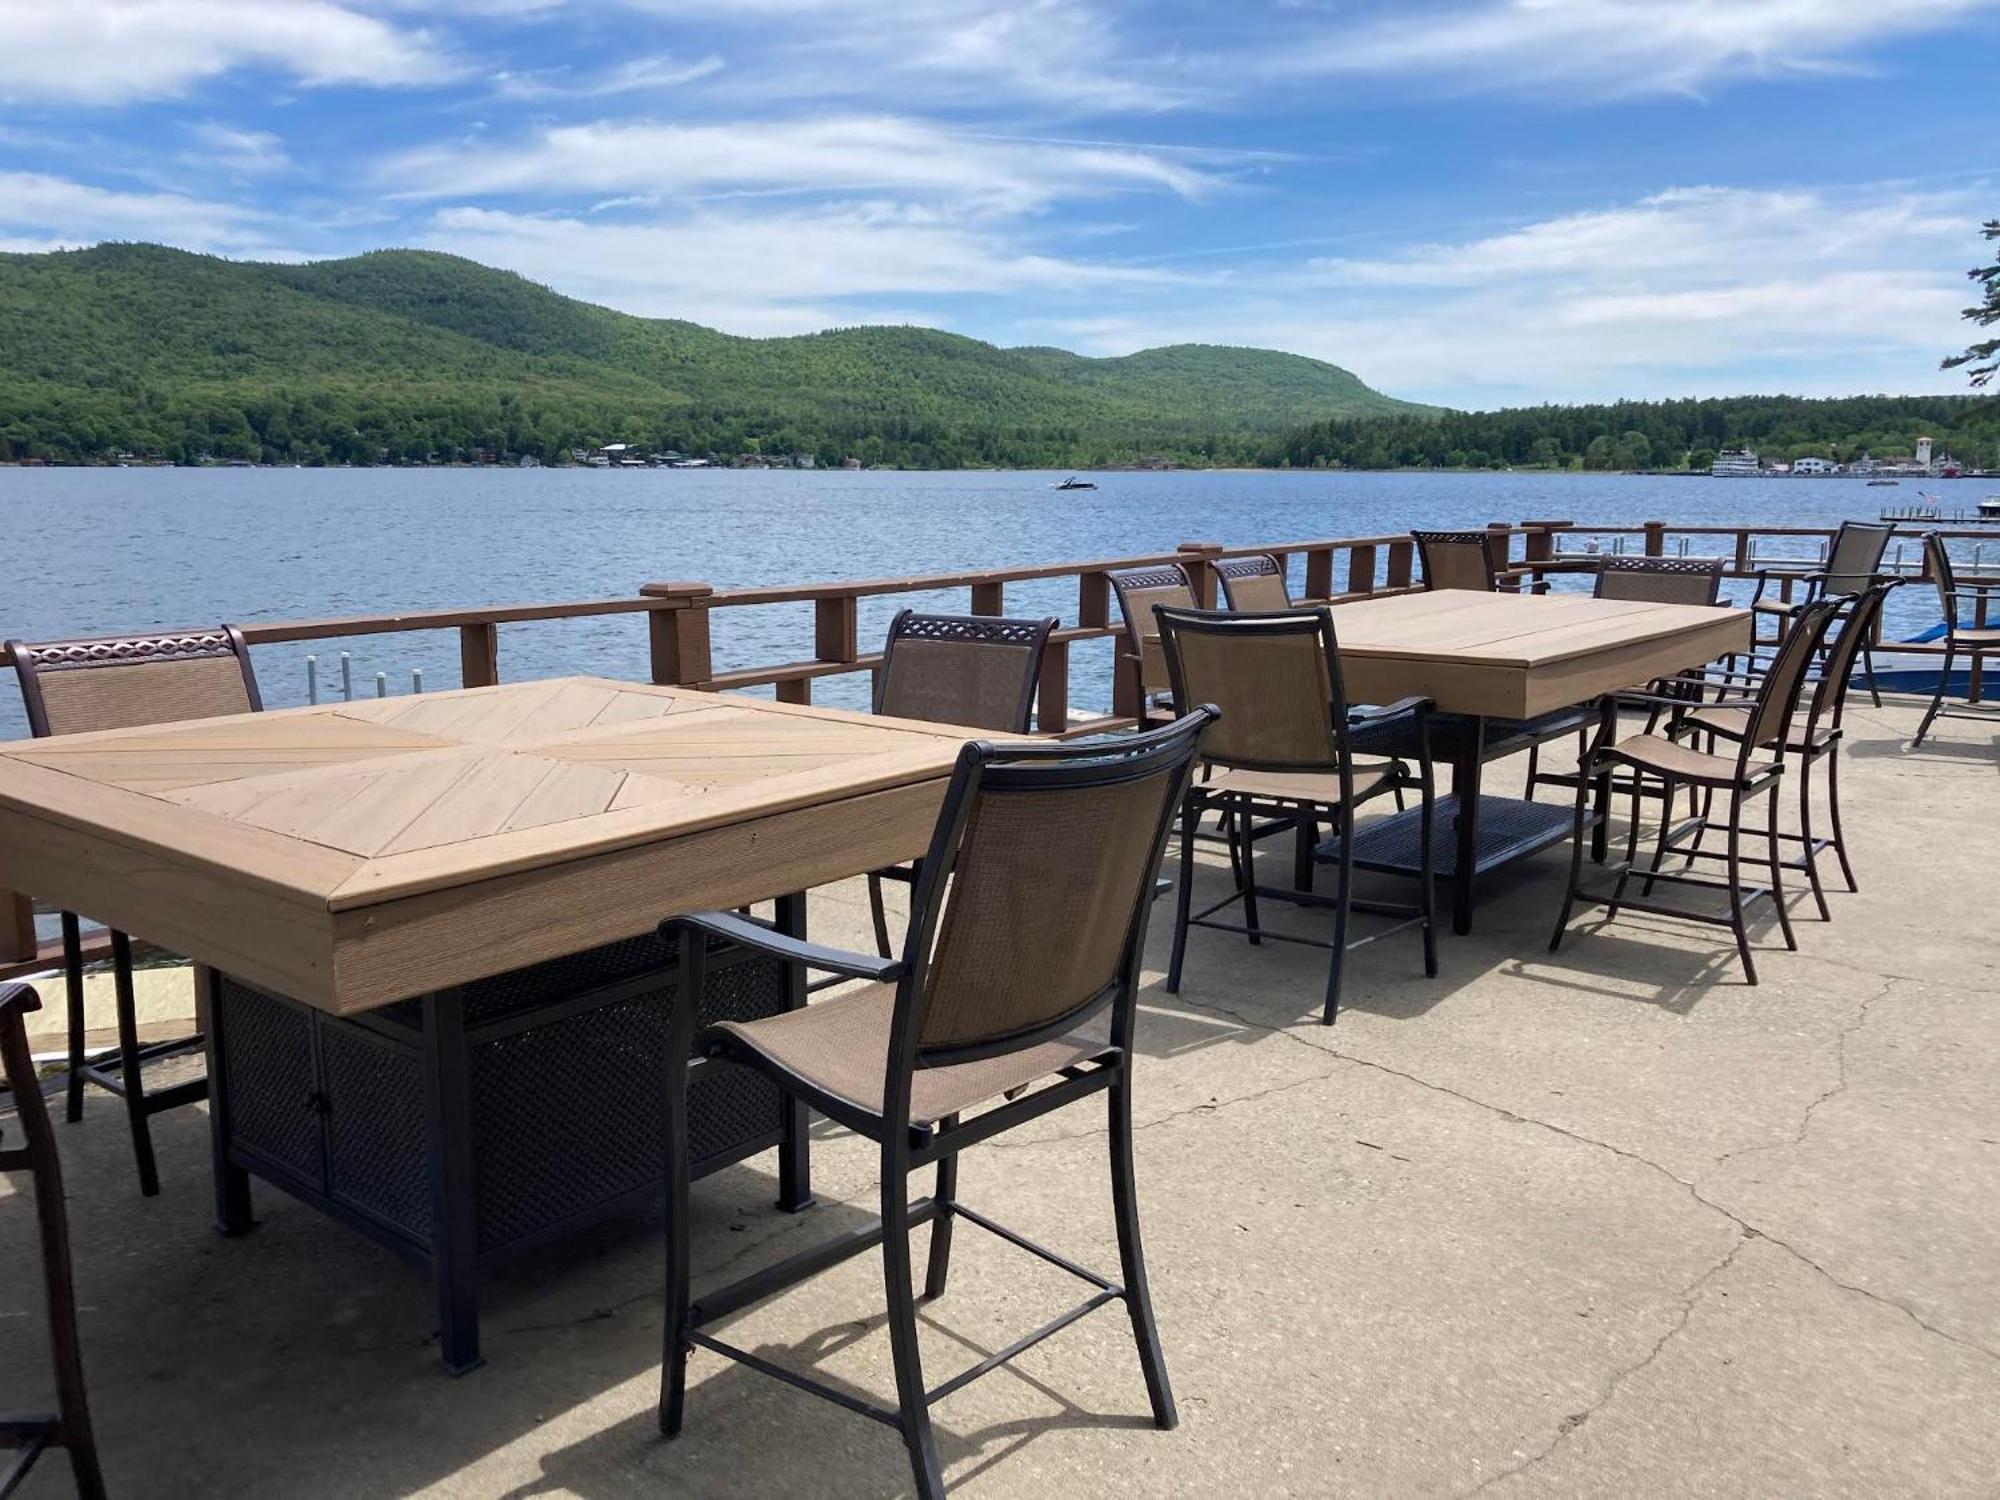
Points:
(410, 356)
(1651, 434)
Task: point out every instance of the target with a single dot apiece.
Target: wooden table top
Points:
(1517, 655)
(354, 854)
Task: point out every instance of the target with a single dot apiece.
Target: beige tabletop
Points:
(354, 854)
(1514, 656)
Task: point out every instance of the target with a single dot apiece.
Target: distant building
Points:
(1812, 466)
(850, 463)
(1923, 452)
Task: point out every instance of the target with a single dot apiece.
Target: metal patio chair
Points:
(1138, 590)
(1752, 771)
(976, 670)
(1644, 580)
(1284, 748)
(1463, 560)
(69, 1427)
(1253, 583)
(1971, 640)
(1817, 739)
(1853, 563)
(1030, 924)
(71, 687)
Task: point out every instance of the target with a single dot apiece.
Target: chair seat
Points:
(1319, 787)
(1976, 636)
(841, 1047)
(1727, 720)
(1773, 606)
(1664, 757)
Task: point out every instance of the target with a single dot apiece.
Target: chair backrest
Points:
(1937, 559)
(121, 682)
(1659, 580)
(1455, 560)
(975, 670)
(1029, 916)
(1138, 590)
(1856, 555)
(1857, 629)
(1275, 678)
(1253, 583)
(1778, 695)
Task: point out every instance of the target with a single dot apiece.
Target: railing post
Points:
(17, 929)
(836, 628)
(1361, 570)
(1656, 539)
(679, 636)
(1402, 561)
(989, 598)
(478, 655)
(1499, 543)
(1093, 600)
(1052, 691)
(1319, 573)
(1199, 560)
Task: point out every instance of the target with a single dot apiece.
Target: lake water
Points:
(96, 551)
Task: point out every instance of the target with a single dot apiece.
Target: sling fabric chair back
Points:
(1660, 580)
(1253, 583)
(975, 670)
(1455, 560)
(73, 687)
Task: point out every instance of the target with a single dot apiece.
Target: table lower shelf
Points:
(1509, 828)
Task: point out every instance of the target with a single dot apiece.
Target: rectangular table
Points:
(423, 924)
(1498, 659)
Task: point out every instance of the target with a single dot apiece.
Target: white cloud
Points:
(761, 272)
(245, 153)
(113, 51)
(838, 154)
(49, 213)
(636, 75)
(1608, 46)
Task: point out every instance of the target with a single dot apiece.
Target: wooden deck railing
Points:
(682, 618)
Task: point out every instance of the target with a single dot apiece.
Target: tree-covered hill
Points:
(410, 356)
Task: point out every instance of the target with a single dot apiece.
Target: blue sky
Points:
(1475, 202)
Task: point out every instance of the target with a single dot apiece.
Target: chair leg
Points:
(1305, 832)
(1735, 853)
(945, 1195)
(1132, 1256)
(1774, 857)
(1572, 886)
(1534, 768)
(72, 940)
(1184, 892)
(1427, 874)
(1833, 816)
(914, 1413)
(1631, 844)
(1868, 671)
(879, 912)
(134, 1075)
(1247, 878)
(1806, 836)
(1937, 698)
(1343, 899)
(1666, 831)
(674, 1335)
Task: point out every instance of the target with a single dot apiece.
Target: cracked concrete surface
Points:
(1603, 1222)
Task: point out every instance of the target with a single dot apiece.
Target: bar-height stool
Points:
(1817, 739)
(1853, 563)
(1140, 662)
(70, 687)
(1973, 641)
(1752, 771)
(1284, 747)
(1029, 924)
(976, 670)
(69, 1427)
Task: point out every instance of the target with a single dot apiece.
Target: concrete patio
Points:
(1600, 1222)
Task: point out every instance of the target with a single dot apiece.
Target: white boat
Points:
(1736, 463)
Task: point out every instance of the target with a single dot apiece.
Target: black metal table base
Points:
(465, 1126)
(1505, 829)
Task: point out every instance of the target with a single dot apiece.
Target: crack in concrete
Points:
(1839, 1085)
(1212, 1106)
(1689, 1296)
(1685, 1185)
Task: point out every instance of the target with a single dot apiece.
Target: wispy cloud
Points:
(243, 153)
(638, 75)
(43, 212)
(844, 154)
(1606, 47)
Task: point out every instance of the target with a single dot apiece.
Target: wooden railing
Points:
(681, 619)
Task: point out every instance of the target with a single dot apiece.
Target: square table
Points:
(1498, 659)
(429, 986)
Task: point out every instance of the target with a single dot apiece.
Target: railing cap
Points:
(676, 589)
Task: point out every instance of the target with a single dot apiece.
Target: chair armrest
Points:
(1372, 713)
(764, 938)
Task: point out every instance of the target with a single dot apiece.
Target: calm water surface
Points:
(103, 550)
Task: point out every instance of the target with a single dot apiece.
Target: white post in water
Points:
(346, 677)
(312, 679)
(381, 684)
(416, 679)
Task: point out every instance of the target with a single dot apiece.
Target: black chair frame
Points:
(907, 1148)
(1953, 594)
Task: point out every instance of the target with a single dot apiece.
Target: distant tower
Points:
(1924, 451)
